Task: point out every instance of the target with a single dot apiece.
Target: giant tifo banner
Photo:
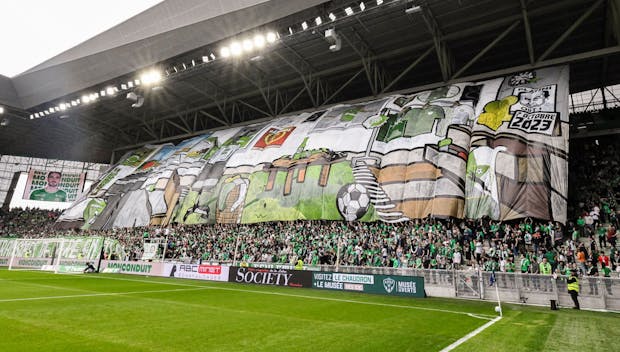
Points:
(496, 148)
(53, 186)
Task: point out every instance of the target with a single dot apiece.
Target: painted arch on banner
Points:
(496, 148)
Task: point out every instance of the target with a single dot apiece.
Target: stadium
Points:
(300, 175)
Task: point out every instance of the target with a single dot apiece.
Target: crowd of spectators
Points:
(27, 223)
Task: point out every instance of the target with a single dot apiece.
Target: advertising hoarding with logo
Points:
(395, 285)
(197, 271)
(275, 277)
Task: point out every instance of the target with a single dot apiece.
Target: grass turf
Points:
(106, 312)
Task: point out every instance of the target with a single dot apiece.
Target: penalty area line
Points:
(463, 339)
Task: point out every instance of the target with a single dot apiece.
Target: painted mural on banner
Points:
(496, 148)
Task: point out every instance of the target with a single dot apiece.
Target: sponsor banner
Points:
(31, 262)
(196, 271)
(282, 266)
(379, 284)
(275, 277)
(136, 268)
(70, 268)
(4, 261)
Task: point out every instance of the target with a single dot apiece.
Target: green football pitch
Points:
(110, 312)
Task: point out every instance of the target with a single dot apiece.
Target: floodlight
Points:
(212, 56)
(334, 39)
(63, 106)
(57, 108)
(123, 87)
(413, 9)
(290, 30)
(137, 82)
(137, 100)
(248, 45)
(379, 2)
(110, 90)
(149, 78)
(102, 93)
(235, 49)
(74, 103)
(225, 52)
(362, 6)
(184, 66)
(5, 122)
(259, 41)
(31, 116)
(36, 114)
(193, 62)
(318, 21)
(332, 16)
(304, 25)
(205, 59)
(348, 11)
(130, 84)
(1, 109)
(271, 37)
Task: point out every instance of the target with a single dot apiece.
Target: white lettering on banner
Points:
(354, 287)
(406, 286)
(353, 278)
(322, 276)
(263, 277)
(136, 268)
(196, 271)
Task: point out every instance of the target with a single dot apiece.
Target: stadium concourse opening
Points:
(319, 163)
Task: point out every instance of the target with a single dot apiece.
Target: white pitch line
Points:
(97, 294)
(478, 316)
(470, 335)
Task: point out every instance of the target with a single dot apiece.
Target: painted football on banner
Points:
(353, 201)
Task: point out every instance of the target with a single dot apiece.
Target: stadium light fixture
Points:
(318, 21)
(74, 103)
(148, 78)
(290, 30)
(271, 37)
(248, 45)
(63, 106)
(379, 2)
(5, 122)
(102, 93)
(332, 16)
(362, 6)
(31, 116)
(212, 56)
(130, 84)
(110, 90)
(259, 41)
(225, 52)
(304, 25)
(205, 59)
(235, 49)
(36, 115)
(413, 9)
(85, 99)
(137, 82)
(333, 39)
(348, 11)
(1, 109)
(137, 100)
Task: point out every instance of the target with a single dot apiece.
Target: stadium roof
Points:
(386, 46)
